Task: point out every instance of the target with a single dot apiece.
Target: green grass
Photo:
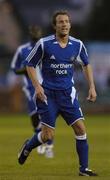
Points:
(15, 129)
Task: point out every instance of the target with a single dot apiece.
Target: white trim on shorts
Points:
(47, 125)
(76, 121)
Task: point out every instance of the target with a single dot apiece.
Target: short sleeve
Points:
(35, 55)
(82, 57)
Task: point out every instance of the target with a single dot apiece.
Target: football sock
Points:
(37, 130)
(34, 141)
(82, 150)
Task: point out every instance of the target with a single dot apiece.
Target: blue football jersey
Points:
(17, 64)
(56, 63)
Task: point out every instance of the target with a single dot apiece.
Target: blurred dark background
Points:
(90, 23)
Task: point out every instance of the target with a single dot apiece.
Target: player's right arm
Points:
(38, 88)
(33, 60)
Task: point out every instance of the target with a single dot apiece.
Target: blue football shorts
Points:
(59, 102)
(31, 101)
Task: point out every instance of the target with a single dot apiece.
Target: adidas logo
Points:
(52, 57)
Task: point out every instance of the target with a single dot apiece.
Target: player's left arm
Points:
(87, 69)
(89, 76)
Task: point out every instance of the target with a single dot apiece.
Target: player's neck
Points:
(62, 40)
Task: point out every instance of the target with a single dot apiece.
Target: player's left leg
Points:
(82, 148)
(73, 116)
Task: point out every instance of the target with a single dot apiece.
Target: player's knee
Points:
(79, 128)
(47, 134)
(46, 137)
(81, 131)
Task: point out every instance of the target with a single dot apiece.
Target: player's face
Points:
(62, 26)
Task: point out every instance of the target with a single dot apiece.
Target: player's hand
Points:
(92, 95)
(40, 93)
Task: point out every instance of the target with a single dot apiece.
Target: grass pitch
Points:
(15, 129)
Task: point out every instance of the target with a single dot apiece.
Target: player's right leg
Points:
(35, 121)
(34, 117)
(46, 148)
(48, 113)
(43, 136)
